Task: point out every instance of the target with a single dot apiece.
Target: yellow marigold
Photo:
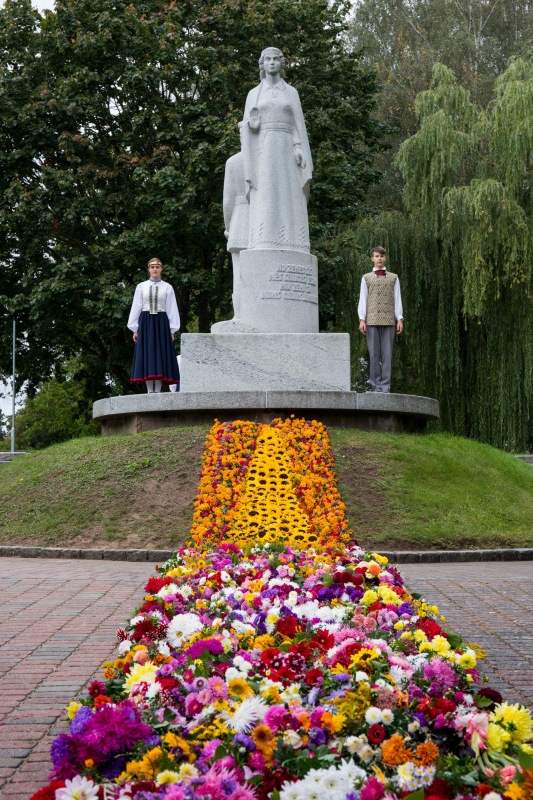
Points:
(515, 792)
(147, 767)
(238, 687)
(264, 642)
(395, 752)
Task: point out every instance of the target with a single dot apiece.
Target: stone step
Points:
(6, 456)
(527, 458)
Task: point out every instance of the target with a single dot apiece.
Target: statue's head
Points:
(271, 51)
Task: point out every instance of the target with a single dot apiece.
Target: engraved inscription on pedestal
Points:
(298, 282)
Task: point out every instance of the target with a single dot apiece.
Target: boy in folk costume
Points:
(380, 311)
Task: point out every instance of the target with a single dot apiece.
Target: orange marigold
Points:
(394, 751)
(426, 753)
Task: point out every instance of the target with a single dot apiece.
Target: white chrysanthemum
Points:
(137, 619)
(352, 772)
(247, 714)
(124, 647)
(291, 791)
(153, 690)
(361, 676)
(185, 590)
(373, 715)
(181, 627)
(163, 648)
(225, 577)
(399, 676)
(242, 664)
(171, 588)
(79, 788)
(387, 716)
(233, 672)
(242, 627)
(291, 694)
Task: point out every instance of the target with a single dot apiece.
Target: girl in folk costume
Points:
(154, 319)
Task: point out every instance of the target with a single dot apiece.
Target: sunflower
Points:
(239, 688)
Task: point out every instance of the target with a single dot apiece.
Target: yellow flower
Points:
(138, 673)
(388, 595)
(167, 776)
(467, 660)
(71, 709)
(369, 597)
(516, 719)
(497, 738)
(515, 792)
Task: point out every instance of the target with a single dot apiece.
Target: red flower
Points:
(376, 734)
(313, 676)
(322, 640)
(430, 627)
(101, 700)
(288, 626)
(48, 792)
(432, 708)
(482, 789)
(154, 585)
(167, 683)
(95, 688)
(439, 790)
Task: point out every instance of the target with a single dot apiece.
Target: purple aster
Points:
(64, 753)
(318, 736)
(405, 608)
(197, 649)
(246, 741)
(441, 676)
(80, 720)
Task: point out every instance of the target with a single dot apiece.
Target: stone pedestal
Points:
(278, 292)
(268, 361)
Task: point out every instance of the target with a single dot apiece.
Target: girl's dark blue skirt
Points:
(154, 357)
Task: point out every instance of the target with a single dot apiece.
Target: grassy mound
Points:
(401, 491)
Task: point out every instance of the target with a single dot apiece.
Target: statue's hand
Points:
(299, 156)
(254, 120)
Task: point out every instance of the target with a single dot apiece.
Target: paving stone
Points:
(58, 621)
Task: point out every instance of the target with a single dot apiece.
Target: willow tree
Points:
(463, 249)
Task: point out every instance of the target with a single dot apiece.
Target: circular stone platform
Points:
(372, 411)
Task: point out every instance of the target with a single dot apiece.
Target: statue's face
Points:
(271, 63)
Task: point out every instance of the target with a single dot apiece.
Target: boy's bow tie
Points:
(381, 272)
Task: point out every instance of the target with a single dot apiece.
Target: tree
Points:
(404, 39)
(59, 411)
(463, 249)
(116, 121)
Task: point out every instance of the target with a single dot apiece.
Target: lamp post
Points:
(13, 407)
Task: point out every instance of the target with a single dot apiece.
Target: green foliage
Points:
(463, 250)
(116, 120)
(59, 411)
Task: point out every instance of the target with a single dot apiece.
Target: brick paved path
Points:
(490, 603)
(58, 621)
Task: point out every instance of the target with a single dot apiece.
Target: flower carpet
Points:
(275, 659)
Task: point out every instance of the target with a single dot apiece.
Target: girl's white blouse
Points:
(154, 296)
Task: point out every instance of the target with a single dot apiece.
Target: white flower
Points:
(373, 715)
(181, 627)
(153, 690)
(232, 672)
(163, 648)
(291, 694)
(292, 599)
(135, 620)
(413, 726)
(293, 739)
(351, 771)
(79, 788)
(241, 663)
(185, 591)
(361, 676)
(238, 595)
(387, 716)
(225, 577)
(366, 753)
(170, 589)
(247, 714)
(124, 647)
(493, 796)
(242, 627)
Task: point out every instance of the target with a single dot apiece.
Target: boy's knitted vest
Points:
(380, 303)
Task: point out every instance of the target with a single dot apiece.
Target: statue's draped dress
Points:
(278, 187)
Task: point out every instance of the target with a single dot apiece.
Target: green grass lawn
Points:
(401, 491)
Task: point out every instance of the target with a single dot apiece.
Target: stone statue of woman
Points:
(277, 160)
